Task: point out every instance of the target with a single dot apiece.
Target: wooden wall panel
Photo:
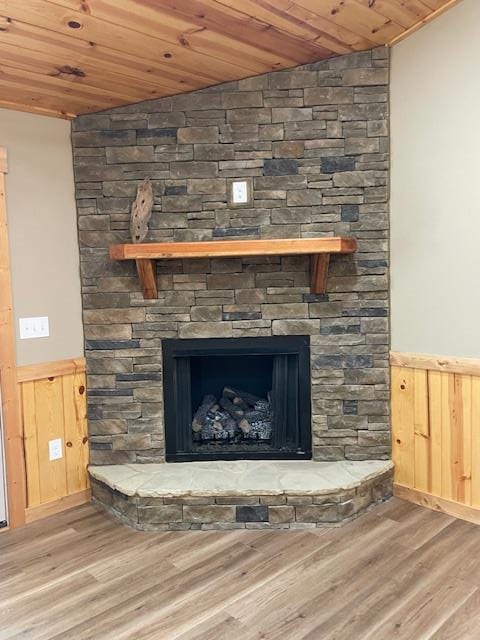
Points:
(421, 432)
(436, 431)
(475, 480)
(75, 421)
(54, 407)
(31, 443)
(50, 425)
(403, 418)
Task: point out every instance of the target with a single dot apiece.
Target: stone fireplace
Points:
(237, 398)
(313, 144)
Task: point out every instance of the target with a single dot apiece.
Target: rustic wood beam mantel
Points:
(145, 255)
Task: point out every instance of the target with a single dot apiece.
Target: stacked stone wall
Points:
(313, 141)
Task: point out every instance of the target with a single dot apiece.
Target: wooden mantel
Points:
(319, 249)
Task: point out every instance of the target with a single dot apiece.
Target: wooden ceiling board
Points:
(434, 4)
(45, 64)
(350, 38)
(144, 19)
(77, 52)
(293, 19)
(68, 57)
(274, 14)
(400, 12)
(354, 16)
(54, 17)
(148, 77)
(240, 28)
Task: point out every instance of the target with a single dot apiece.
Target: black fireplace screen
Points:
(237, 398)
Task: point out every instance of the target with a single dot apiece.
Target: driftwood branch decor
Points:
(141, 211)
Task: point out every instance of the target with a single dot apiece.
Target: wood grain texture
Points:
(13, 436)
(319, 273)
(147, 274)
(416, 571)
(448, 364)
(232, 248)
(55, 407)
(76, 430)
(141, 211)
(422, 457)
(50, 425)
(34, 513)
(450, 507)
(67, 57)
(436, 431)
(145, 254)
(30, 441)
(475, 463)
(403, 424)
(423, 21)
(3, 160)
(47, 369)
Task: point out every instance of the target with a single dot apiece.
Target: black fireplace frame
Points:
(291, 358)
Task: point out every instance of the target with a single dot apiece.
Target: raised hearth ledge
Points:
(238, 478)
(241, 495)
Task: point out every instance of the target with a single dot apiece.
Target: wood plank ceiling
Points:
(67, 57)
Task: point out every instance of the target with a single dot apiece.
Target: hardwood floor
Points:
(399, 571)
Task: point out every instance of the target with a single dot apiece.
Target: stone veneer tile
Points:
(157, 515)
(281, 514)
(252, 513)
(209, 514)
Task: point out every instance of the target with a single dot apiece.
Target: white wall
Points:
(43, 233)
(435, 186)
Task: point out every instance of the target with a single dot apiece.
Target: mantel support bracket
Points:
(319, 264)
(147, 274)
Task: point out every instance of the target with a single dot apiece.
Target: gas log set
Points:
(237, 415)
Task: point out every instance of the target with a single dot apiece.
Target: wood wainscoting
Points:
(53, 401)
(436, 432)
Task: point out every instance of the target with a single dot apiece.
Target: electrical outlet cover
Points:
(55, 449)
(239, 192)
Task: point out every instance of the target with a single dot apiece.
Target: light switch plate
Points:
(34, 328)
(239, 192)
(55, 449)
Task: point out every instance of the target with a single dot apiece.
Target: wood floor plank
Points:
(239, 572)
(399, 571)
(380, 599)
(219, 626)
(305, 601)
(464, 623)
(423, 616)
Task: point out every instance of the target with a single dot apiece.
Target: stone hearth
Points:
(242, 494)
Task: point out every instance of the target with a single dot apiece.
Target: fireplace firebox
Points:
(237, 398)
